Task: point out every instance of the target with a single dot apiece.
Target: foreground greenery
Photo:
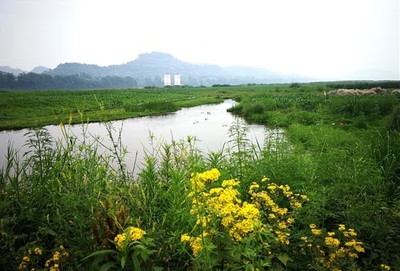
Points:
(325, 198)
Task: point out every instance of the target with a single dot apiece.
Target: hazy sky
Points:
(320, 38)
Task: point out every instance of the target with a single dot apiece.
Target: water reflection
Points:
(209, 124)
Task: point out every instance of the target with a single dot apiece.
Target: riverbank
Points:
(138, 134)
(27, 109)
(38, 108)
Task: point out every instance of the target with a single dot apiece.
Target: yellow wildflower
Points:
(385, 267)
(196, 245)
(352, 232)
(349, 233)
(282, 225)
(353, 243)
(265, 179)
(120, 239)
(56, 256)
(297, 204)
(353, 255)
(253, 187)
(249, 211)
(333, 242)
(185, 238)
(359, 248)
(227, 221)
(290, 220)
(341, 252)
(216, 191)
(272, 187)
(136, 233)
(316, 231)
(37, 251)
(304, 197)
(282, 211)
(230, 183)
(342, 227)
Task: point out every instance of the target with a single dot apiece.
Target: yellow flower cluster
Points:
(333, 252)
(314, 230)
(27, 260)
(280, 219)
(200, 180)
(54, 263)
(31, 262)
(385, 267)
(196, 242)
(134, 235)
(24, 263)
(220, 208)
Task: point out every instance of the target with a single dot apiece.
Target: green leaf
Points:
(284, 258)
(100, 253)
(123, 261)
(136, 262)
(107, 266)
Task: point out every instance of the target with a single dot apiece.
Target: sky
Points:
(325, 39)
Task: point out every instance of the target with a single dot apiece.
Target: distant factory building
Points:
(167, 79)
(168, 82)
(177, 80)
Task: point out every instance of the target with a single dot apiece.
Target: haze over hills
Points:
(8, 69)
(150, 66)
(149, 69)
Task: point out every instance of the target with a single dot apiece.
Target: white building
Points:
(167, 79)
(177, 80)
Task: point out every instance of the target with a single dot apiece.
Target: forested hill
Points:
(152, 66)
(147, 70)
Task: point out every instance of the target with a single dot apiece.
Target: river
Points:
(209, 124)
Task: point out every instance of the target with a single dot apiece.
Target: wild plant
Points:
(132, 252)
(230, 233)
(40, 155)
(241, 150)
(35, 259)
(331, 250)
(116, 149)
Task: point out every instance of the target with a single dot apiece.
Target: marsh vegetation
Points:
(326, 198)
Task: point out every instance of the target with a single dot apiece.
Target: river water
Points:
(209, 124)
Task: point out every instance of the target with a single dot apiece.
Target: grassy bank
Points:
(326, 198)
(37, 108)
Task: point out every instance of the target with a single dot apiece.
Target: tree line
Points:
(34, 81)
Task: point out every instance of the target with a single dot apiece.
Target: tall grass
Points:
(68, 200)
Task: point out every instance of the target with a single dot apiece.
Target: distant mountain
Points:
(149, 68)
(40, 69)
(8, 69)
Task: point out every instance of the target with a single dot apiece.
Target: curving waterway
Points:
(208, 124)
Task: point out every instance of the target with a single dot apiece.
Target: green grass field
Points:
(326, 198)
(38, 108)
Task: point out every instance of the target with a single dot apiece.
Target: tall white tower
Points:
(177, 80)
(167, 79)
